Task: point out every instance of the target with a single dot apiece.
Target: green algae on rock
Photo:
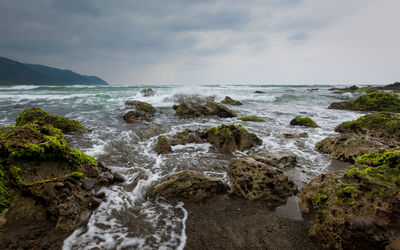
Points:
(41, 117)
(303, 121)
(365, 189)
(252, 118)
(193, 109)
(230, 101)
(375, 101)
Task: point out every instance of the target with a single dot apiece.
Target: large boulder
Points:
(195, 109)
(254, 180)
(42, 186)
(347, 147)
(41, 117)
(303, 121)
(143, 111)
(375, 101)
(229, 138)
(343, 202)
(188, 185)
(230, 101)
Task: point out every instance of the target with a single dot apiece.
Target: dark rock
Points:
(117, 178)
(103, 182)
(194, 109)
(200, 99)
(230, 101)
(188, 136)
(175, 106)
(92, 172)
(88, 184)
(259, 92)
(94, 202)
(147, 92)
(100, 195)
(253, 180)
(189, 185)
(163, 146)
(135, 116)
(293, 136)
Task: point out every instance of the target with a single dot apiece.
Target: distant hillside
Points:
(16, 73)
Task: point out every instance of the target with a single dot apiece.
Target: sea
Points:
(127, 219)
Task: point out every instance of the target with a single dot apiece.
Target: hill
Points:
(16, 73)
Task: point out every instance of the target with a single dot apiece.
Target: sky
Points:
(132, 42)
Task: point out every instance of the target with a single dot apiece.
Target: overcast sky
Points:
(208, 42)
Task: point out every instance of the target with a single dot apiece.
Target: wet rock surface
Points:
(254, 180)
(281, 160)
(189, 185)
(143, 111)
(230, 101)
(192, 109)
(147, 92)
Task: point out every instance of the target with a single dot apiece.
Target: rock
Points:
(380, 125)
(293, 136)
(189, 185)
(347, 147)
(135, 116)
(163, 146)
(354, 89)
(188, 136)
(142, 106)
(356, 205)
(375, 101)
(259, 92)
(252, 118)
(41, 117)
(229, 138)
(88, 184)
(200, 99)
(394, 87)
(230, 101)
(303, 121)
(194, 109)
(117, 178)
(147, 92)
(100, 195)
(94, 202)
(253, 180)
(277, 160)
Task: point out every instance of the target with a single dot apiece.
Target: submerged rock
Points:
(194, 109)
(254, 180)
(229, 138)
(163, 146)
(294, 136)
(338, 200)
(143, 111)
(303, 121)
(189, 185)
(375, 101)
(147, 92)
(252, 118)
(230, 101)
(259, 92)
(41, 117)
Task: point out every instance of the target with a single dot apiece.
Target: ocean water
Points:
(127, 219)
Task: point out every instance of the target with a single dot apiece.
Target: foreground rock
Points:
(41, 117)
(230, 101)
(356, 202)
(47, 189)
(364, 135)
(143, 111)
(225, 138)
(147, 92)
(375, 101)
(303, 121)
(189, 185)
(254, 180)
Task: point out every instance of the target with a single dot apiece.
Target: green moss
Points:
(303, 121)
(375, 101)
(144, 106)
(41, 117)
(161, 139)
(5, 195)
(251, 118)
(320, 200)
(180, 136)
(240, 126)
(386, 122)
(78, 175)
(213, 130)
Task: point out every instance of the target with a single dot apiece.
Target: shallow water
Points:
(127, 220)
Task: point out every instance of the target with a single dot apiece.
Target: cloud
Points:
(132, 41)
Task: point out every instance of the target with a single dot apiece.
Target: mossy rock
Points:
(361, 190)
(375, 101)
(303, 121)
(230, 101)
(381, 125)
(354, 89)
(252, 118)
(41, 117)
(194, 109)
(142, 106)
